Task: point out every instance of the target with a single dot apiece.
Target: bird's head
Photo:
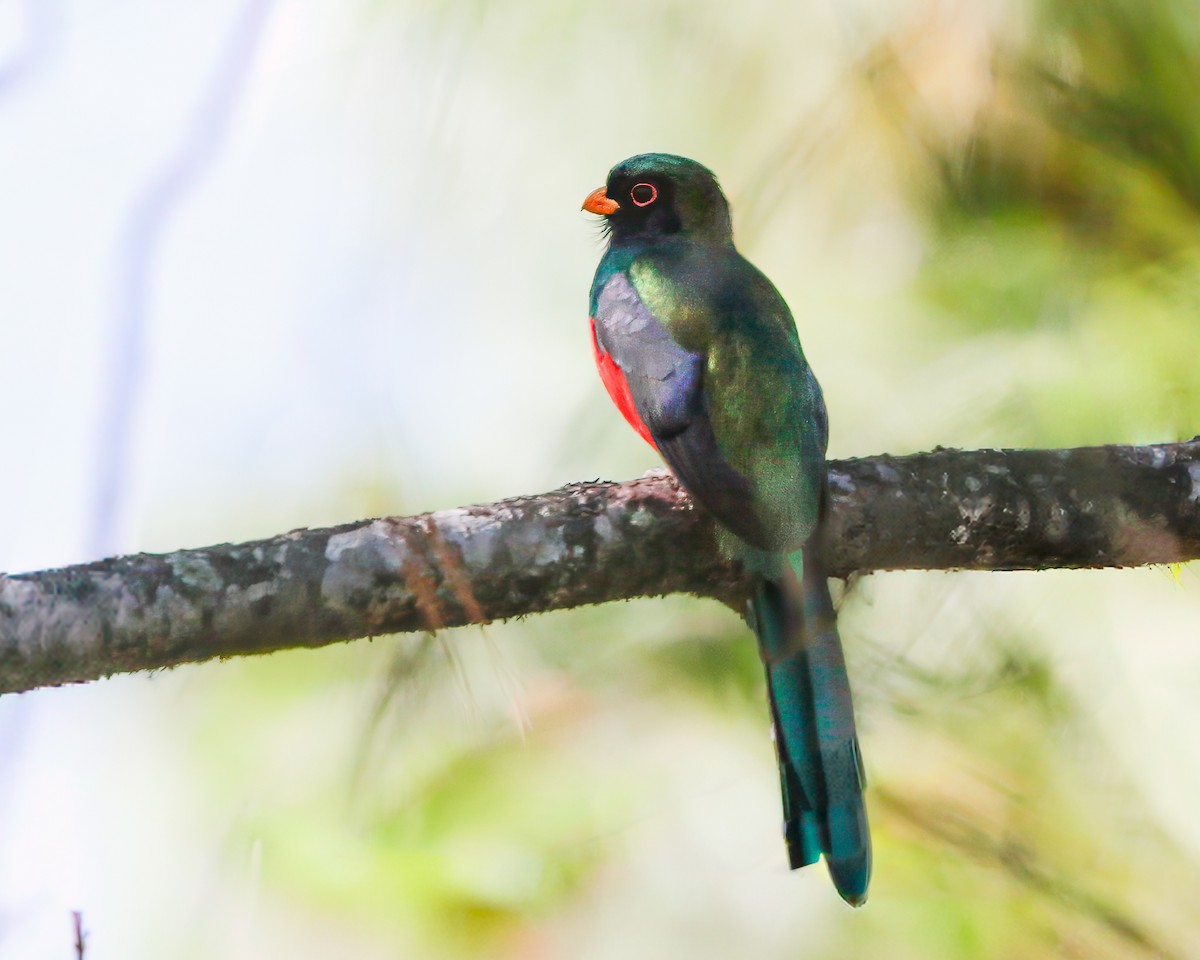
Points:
(656, 195)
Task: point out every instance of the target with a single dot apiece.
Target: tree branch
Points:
(586, 543)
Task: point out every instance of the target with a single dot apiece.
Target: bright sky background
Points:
(334, 302)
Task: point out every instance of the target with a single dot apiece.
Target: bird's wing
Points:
(665, 383)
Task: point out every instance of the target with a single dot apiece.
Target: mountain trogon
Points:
(699, 352)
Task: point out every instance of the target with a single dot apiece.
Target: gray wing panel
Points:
(664, 379)
(666, 383)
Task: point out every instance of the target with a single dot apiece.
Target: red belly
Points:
(617, 387)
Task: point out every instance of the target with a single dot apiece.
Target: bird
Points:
(700, 354)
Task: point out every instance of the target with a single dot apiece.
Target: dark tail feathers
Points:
(819, 763)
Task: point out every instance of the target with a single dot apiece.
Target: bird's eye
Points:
(643, 194)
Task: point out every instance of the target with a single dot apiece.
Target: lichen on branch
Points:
(586, 543)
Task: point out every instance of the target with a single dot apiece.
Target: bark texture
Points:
(586, 543)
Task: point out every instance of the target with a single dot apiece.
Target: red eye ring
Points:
(633, 194)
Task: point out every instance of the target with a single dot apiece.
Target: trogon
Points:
(700, 354)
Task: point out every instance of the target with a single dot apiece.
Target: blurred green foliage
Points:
(1064, 220)
(600, 783)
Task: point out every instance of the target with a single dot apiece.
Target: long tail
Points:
(819, 763)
